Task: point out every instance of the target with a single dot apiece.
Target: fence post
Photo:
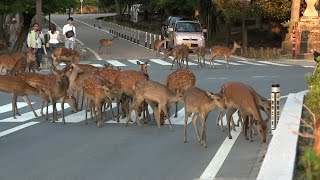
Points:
(294, 40)
(130, 34)
(138, 41)
(134, 36)
(99, 23)
(146, 40)
(275, 106)
(150, 41)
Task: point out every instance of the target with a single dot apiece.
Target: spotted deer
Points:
(65, 55)
(158, 44)
(200, 51)
(106, 42)
(222, 51)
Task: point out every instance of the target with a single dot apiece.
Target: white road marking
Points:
(97, 65)
(8, 107)
(232, 63)
(79, 116)
(134, 61)
(184, 62)
(218, 78)
(308, 66)
(252, 63)
(115, 63)
(180, 119)
(17, 128)
(256, 77)
(160, 61)
(221, 155)
(275, 64)
(29, 115)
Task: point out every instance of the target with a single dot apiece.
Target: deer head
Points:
(143, 67)
(217, 98)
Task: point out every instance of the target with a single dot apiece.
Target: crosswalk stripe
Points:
(80, 116)
(134, 61)
(180, 119)
(17, 128)
(232, 63)
(97, 65)
(115, 63)
(252, 63)
(160, 61)
(207, 62)
(133, 117)
(29, 115)
(8, 107)
(272, 63)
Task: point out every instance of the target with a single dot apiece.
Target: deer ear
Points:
(211, 95)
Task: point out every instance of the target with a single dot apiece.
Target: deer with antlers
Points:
(158, 44)
(222, 51)
(106, 42)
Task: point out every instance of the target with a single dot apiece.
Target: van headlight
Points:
(201, 38)
(179, 37)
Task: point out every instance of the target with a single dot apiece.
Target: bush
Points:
(309, 162)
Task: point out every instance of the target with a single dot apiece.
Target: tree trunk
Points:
(1, 26)
(202, 11)
(39, 12)
(244, 34)
(27, 17)
(316, 146)
(228, 32)
(118, 8)
(295, 13)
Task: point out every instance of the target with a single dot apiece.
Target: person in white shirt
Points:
(34, 42)
(69, 43)
(53, 37)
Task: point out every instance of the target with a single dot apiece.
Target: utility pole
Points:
(39, 12)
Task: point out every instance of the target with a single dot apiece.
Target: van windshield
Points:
(188, 27)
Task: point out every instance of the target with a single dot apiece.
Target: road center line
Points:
(221, 155)
(17, 128)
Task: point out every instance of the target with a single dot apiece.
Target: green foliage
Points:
(231, 10)
(309, 163)
(313, 96)
(275, 9)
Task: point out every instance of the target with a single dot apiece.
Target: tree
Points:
(28, 9)
(295, 13)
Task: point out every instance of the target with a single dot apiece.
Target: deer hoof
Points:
(176, 115)
(185, 141)
(205, 145)
(230, 137)
(251, 140)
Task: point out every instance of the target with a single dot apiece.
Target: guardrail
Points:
(280, 158)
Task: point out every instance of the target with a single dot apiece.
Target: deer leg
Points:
(26, 99)
(204, 61)
(239, 119)
(62, 108)
(47, 108)
(134, 106)
(164, 109)
(118, 108)
(226, 59)
(203, 134)
(172, 63)
(14, 110)
(229, 116)
(86, 107)
(176, 115)
(187, 62)
(99, 109)
(54, 103)
(195, 126)
(219, 118)
(251, 127)
(245, 126)
(212, 61)
(110, 106)
(186, 116)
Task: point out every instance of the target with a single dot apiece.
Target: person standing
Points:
(35, 40)
(69, 32)
(54, 38)
(14, 31)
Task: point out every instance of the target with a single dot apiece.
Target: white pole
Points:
(275, 106)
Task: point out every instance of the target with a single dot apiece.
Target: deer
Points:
(200, 51)
(106, 42)
(18, 87)
(25, 59)
(175, 52)
(6, 62)
(184, 53)
(65, 55)
(200, 103)
(54, 84)
(153, 92)
(158, 43)
(87, 67)
(97, 89)
(239, 96)
(180, 80)
(222, 51)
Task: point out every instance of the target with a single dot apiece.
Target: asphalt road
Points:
(44, 150)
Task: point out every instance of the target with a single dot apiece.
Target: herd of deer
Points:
(100, 86)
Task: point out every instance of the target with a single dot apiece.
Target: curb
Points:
(279, 161)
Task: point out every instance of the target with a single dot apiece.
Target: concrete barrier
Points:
(279, 161)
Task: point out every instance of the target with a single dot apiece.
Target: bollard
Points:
(125, 34)
(275, 106)
(131, 34)
(122, 32)
(146, 40)
(94, 24)
(99, 23)
(294, 40)
(134, 36)
(110, 31)
(150, 41)
(138, 37)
